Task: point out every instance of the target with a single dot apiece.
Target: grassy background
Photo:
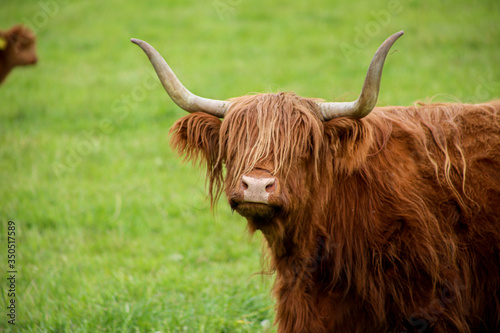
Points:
(113, 232)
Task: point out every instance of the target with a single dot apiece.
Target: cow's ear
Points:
(196, 137)
(349, 141)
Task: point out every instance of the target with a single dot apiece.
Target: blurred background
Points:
(113, 232)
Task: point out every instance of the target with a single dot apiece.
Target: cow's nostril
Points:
(244, 185)
(270, 187)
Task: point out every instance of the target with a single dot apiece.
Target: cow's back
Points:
(455, 150)
(456, 146)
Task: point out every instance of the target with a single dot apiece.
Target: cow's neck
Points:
(5, 67)
(321, 235)
(297, 243)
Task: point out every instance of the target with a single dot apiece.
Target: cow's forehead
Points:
(286, 103)
(279, 128)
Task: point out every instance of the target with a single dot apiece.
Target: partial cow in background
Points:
(377, 219)
(17, 48)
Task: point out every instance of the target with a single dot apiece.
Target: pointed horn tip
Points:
(392, 39)
(136, 41)
(398, 34)
(143, 45)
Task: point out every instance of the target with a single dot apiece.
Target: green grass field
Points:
(113, 232)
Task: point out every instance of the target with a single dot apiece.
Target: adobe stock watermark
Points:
(485, 90)
(48, 9)
(371, 29)
(226, 9)
(90, 140)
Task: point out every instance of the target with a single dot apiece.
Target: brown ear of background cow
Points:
(386, 223)
(17, 48)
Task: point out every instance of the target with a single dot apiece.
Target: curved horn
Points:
(369, 93)
(176, 90)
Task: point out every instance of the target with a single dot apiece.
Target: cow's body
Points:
(396, 226)
(386, 221)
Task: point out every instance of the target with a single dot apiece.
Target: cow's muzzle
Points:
(257, 190)
(256, 195)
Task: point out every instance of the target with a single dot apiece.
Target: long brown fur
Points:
(390, 223)
(18, 49)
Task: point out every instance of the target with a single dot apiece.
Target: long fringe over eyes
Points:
(278, 128)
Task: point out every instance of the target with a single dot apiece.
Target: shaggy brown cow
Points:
(377, 219)
(17, 48)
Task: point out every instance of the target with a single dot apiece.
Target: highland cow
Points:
(377, 219)
(17, 48)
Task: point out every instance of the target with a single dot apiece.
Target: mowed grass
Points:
(113, 231)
